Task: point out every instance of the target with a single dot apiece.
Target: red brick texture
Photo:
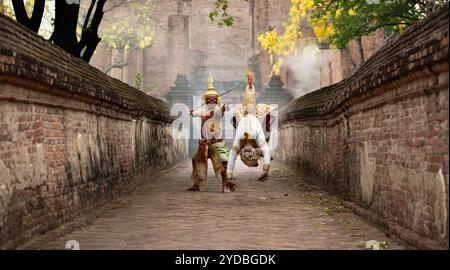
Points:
(71, 138)
(380, 137)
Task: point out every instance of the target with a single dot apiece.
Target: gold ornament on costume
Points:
(214, 127)
(211, 92)
(210, 82)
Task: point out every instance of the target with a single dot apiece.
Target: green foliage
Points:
(138, 82)
(349, 19)
(383, 245)
(353, 19)
(220, 14)
(133, 31)
(148, 88)
(5, 9)
(138, 77)
(336, 22)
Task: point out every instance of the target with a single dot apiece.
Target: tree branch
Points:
(20, 12)
(90, 39)
(65, 32)
(37, 15)
(121, 64)
(88, 15)
(34, 22)
(114, 6)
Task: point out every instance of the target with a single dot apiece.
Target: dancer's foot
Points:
(194, 188)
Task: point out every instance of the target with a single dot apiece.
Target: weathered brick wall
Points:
(380, 137)
(71, 138)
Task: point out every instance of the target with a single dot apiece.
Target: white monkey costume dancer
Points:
(250, 141)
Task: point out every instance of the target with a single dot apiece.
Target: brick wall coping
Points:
(29, 60)
(419, 48)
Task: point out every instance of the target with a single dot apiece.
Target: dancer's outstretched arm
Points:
(264, 148)
(234, 151)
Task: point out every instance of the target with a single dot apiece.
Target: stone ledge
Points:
(25, 57)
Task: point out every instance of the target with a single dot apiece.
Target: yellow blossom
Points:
(338, 13)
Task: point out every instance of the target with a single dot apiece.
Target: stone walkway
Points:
(281, 213)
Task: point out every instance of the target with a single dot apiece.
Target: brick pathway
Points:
(282, 213)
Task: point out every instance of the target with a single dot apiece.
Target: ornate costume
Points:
(211, 144)
(250, 141)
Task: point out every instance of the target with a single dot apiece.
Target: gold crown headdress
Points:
(249, 100)
(211, 91)
(250, 73)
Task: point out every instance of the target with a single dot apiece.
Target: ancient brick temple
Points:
(188, 43)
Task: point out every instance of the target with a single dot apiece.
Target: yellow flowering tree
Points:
(335, 22)
(5, 9)
(286, 43)
(352, 19)
(130, 33)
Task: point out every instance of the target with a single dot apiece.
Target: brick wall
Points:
(71, 138)
(380, 137)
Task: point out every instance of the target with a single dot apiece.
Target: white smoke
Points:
(303, 71)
